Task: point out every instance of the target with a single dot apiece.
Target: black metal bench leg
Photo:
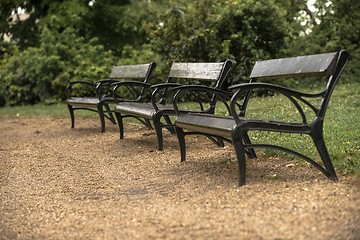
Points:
(158, 129)
(119, 119)
(181, 138)
(324, 154)
(168, 121)
(240, 154)
(102, 117)
(148, 124)
(71, 111)
(111, 116)
(220, 142)
(251, 151)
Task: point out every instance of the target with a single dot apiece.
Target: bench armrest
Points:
(294, 96)
(79, 82)
(202, 95)
(106, 81)
(136, 89)
(162, 92)
(251, 86)
(137, 83)
(165, 85)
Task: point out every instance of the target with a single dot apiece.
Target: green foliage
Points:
(252, 30)
(210, 30)
(338, 28)
(116, 23)
(40, 73)
(24, 32)
(184, 32)
(63, 40)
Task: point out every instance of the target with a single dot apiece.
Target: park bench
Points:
(97, 96)
(236, 126)
(159, 109)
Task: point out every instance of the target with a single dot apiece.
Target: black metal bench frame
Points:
(159, 109)
(235, 128)
(102, 97)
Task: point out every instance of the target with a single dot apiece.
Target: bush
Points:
(209, 30)
(41, 73)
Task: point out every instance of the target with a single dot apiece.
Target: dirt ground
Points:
(63, 183)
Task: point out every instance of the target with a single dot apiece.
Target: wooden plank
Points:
(311, 65)
(130, 71)
(206, 71)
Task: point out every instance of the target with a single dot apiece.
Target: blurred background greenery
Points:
(48, 43)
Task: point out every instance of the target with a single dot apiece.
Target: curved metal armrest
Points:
(221, 95)
(130, 86)
(137, 83)
(106, 81)
(157, 90)
(165, 85)
(251, 86)
(289, 93)
(70, 84)
(224, 94)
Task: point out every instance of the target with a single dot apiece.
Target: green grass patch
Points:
(55, 110)
(341, 129)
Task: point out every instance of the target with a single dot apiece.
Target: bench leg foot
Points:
(72, 117)
(240, 154)
(102, 117)
(158, 129)
(324, 154)
(181, 138)
(119, 119)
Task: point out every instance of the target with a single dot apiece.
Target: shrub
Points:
(41, 73)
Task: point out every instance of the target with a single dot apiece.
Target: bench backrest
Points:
(215, 71)
(312, 65)
(329, 65)
(137, 71)
(186, 73)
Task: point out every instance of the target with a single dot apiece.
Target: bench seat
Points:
(217, 125)
(142, 110)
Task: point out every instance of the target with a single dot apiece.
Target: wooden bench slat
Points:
(130, 71)
(206, 71)
(311, 65)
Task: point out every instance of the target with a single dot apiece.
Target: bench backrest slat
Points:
(204, 71)
(130, 71)
(311, 65)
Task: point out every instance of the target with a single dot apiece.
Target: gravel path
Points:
(62, 183)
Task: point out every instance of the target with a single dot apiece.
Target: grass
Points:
(341, 130)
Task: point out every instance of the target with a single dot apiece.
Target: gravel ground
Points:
(63, 183)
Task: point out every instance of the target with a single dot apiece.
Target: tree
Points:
(212, 30)
(24, 32)
(115, 23)
(338, 29)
